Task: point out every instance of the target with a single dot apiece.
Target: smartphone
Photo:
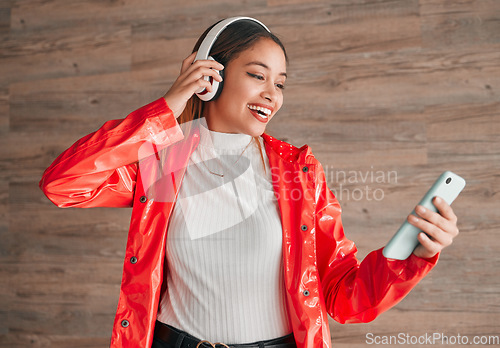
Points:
(448, 186)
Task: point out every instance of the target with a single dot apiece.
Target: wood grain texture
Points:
(387, 93)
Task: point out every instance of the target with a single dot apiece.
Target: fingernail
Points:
(413, 218)
(437, 199)
(420, 209)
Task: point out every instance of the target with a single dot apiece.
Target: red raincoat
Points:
(113, 166)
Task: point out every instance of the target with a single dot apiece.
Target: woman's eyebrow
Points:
(264, 66)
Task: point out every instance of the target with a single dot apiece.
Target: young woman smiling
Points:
(234, 235)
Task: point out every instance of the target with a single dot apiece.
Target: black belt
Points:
(181, 339)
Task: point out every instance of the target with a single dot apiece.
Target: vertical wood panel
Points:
(460, 23)
(4, 111)
(63, 52)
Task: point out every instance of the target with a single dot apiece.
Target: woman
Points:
(234, 235)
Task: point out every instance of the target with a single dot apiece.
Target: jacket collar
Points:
(287, 152)
(273, 146)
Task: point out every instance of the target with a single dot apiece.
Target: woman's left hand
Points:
(438, 229)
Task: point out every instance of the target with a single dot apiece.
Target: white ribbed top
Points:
(224, 246)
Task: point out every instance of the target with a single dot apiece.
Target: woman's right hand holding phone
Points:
(191, 80)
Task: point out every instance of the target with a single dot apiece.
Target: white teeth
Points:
(266, 111)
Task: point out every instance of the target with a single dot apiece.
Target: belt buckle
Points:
(214, 345)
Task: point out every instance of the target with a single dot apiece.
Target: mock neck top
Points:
(221, 141)
(225, 279)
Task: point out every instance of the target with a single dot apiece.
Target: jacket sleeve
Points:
(100, 169)
(358, 292)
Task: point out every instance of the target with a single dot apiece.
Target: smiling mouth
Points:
(262, 111)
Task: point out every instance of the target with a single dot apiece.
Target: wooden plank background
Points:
(401, 90)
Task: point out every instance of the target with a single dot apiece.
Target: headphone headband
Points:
(204, 53)
(213, 34)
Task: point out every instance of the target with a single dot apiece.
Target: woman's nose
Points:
(269, 93)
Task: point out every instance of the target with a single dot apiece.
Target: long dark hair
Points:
(236, 38)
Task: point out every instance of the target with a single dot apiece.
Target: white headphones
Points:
(204, 51)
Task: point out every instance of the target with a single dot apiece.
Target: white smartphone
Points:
(448, 186)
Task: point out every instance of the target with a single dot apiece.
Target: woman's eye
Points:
(258, 77)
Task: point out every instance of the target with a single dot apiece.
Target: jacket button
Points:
(305, 169)
(303, 227)
(306, 293)
(143, 199)
(133, 260)
(125, 323)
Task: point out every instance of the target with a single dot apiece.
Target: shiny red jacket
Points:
(108, 168)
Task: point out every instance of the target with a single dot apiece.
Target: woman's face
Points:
(252, 92)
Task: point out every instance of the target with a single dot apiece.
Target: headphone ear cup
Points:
(204, 94)
(219, 86)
